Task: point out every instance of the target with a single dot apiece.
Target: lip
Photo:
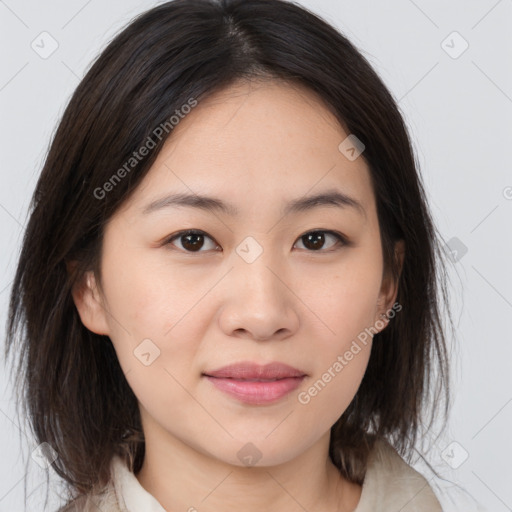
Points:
(256, 384)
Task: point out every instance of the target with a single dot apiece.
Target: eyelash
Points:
(341, 239)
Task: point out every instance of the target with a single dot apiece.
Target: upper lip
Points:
(250, 370)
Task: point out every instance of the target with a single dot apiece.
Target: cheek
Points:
(147, 296)
(153, 319)
(345, 303)
(332, 386)
(340, 365)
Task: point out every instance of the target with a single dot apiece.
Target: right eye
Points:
(191, 240)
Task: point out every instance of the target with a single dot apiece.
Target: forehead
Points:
(255, 139)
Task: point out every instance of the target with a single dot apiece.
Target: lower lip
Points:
(252, 392)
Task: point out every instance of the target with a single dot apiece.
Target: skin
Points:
(257, 146)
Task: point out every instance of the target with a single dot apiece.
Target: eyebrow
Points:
(333, 198)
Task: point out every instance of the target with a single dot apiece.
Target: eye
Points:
(314, 240)
(192, 240)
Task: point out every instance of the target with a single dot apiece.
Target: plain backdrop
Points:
(448, 64)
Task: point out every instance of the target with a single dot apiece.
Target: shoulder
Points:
(391, 484)
(122, 493)
(104, 500)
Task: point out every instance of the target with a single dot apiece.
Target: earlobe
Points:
(89, 304)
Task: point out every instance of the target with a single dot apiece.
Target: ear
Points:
(89, 302)
(389, 287)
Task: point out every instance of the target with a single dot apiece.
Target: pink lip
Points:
(256, 384)
(253, 392)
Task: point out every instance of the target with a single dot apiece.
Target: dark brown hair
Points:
(75, 394)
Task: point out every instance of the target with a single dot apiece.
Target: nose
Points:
(259, 302)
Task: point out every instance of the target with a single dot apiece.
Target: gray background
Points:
(458, 107)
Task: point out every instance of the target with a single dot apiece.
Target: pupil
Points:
(196, 244)
(314, 238)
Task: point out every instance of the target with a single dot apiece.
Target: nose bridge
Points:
(256, 267)
(258, 302)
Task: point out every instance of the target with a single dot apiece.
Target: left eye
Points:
(316, 239)
(193, 240)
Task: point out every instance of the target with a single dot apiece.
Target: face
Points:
(258, 281)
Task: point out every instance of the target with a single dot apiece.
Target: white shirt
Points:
(390, 484)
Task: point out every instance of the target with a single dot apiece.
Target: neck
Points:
(182, 478)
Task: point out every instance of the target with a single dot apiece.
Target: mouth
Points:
(256, 392)
(256, 384)
(254, 371)
(250, 380)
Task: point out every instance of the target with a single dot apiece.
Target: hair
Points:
(75, 394)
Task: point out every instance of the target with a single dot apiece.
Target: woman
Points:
(229, 283)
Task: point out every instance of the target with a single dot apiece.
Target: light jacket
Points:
(390, 485)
